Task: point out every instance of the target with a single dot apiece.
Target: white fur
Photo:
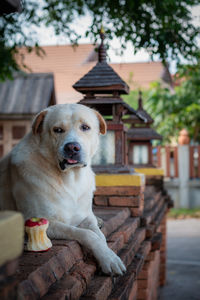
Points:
(32, 182)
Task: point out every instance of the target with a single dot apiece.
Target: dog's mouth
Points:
(70, 162)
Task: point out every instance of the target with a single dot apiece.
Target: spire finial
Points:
(102, 49)
(140, 106)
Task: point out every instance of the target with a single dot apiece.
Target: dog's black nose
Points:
(72, 148)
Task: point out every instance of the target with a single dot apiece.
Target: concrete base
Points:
(172, 187)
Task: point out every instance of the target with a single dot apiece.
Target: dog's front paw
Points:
(112, 264)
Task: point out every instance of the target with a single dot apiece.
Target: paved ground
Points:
(183, 274)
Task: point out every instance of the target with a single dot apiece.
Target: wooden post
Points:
(159, 156)
(175, 161)
(167, 150)
(192, 173)
(150, 154)
(198, 162)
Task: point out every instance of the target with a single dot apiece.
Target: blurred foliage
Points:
(132, 98)
(173, 110)
(178, 109)
(162, 27)
(183, 213)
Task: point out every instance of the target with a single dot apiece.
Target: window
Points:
(106, 151)
(140, 154)
(18, 132)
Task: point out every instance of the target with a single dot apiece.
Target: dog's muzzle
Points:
(72, 156)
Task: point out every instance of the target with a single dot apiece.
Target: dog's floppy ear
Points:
(38, 121)
(102, 123)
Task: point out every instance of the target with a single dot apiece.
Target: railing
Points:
(167, 158)
(194, 161)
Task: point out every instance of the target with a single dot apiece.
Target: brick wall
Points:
(134, 219)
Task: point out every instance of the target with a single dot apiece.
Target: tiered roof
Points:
(143, 132)
(102, 87)
(101, 78)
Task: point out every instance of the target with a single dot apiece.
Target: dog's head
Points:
(69, 134)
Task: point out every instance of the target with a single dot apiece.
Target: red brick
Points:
(27, 291)
(56, 268)
(117, 220)
(42, 279)
(146, 265)
(99, 289)
(151, 256)
(129, 252)
(116, 241)
(142, 284)
(136, 211)
(163, 248)
(11, 267)
(118, 190)
(124, 201)
(124, 286)
(156, 241)
(143, 274)
(133, 292)
(101, 201)
(73, 285)
(59, 261)
(163, 260)
(67, 288)
(8, 269)
(150, 230)
(142, 293)
(129, 228)
(75, 249)
(83, 272)
(8, 291)
(66, 258)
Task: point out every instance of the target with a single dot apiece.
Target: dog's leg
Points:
(99, 222)
(91, 223)
(108, 260)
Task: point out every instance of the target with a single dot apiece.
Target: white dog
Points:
(48, 174)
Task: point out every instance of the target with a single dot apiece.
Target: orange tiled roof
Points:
(69, 64)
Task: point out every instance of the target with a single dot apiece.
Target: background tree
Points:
(181, 109)
(164, 28)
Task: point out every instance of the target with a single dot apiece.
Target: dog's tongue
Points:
(72, 161)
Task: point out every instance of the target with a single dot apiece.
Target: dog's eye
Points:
(84, 127)
(58, 130)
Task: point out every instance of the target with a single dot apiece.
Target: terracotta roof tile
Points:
(69, 64)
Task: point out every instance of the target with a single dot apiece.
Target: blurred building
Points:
(20, 100)
(68, 64)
